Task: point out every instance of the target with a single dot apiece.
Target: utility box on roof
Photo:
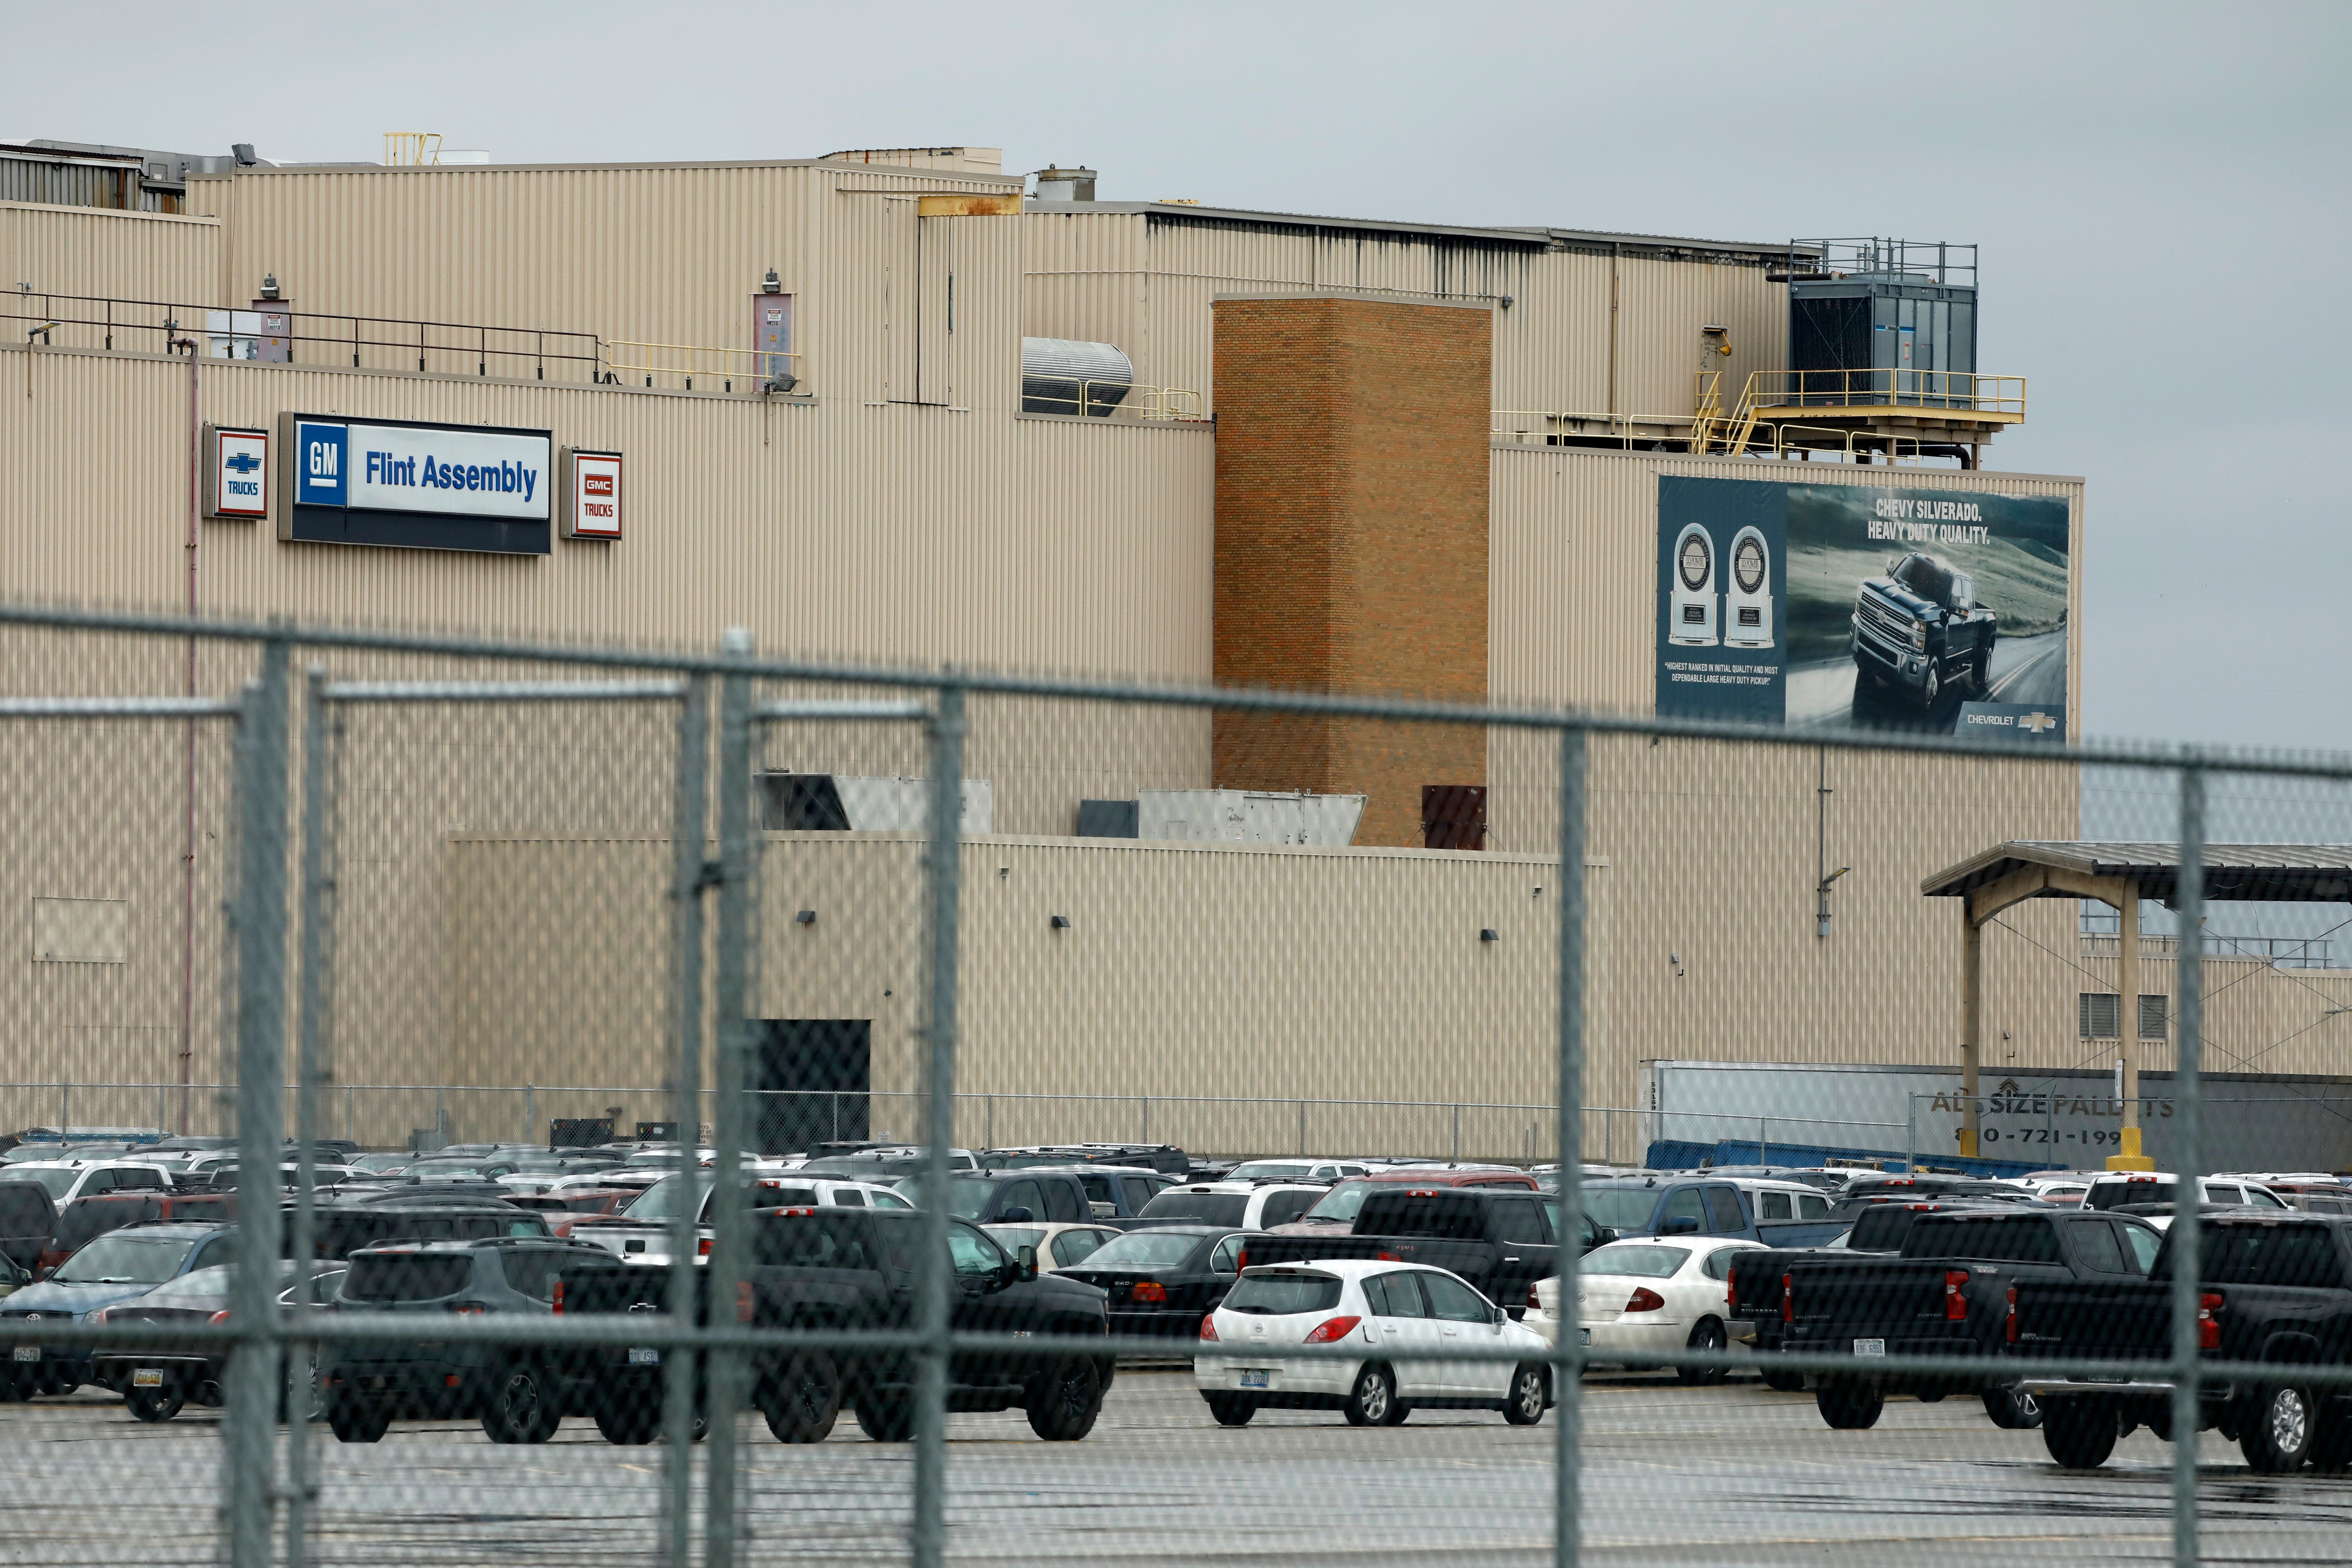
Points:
(1248, 816)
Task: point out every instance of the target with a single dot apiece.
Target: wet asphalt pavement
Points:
(1672, 1476)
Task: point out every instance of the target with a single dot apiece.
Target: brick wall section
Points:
(1351, 541)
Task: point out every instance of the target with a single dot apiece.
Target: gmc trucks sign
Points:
(1855, 604)
(592, 509)
(418, 486)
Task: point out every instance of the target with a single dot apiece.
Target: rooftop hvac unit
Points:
(1067, 375)
(1248, 816)
(835, 803)
(1694, 602)
(1747, 598)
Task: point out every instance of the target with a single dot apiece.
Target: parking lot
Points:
(1672, 1474)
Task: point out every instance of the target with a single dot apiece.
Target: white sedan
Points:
(1393, 1314)
(1637, 1298)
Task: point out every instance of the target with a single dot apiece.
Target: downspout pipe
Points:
(187, 345)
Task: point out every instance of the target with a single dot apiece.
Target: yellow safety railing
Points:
(1110, 399)
(411, 149)
(1551, 425)
(1941, 391)
(718, 370)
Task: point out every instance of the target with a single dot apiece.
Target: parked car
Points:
(848, 1269)
(2122, 1187)
(1164, 1158)
(2275, 1288)
(85, 1219)
(1709, 1206)
(344, 1226)
(157, 1382)
(1243, 1205)
(564, 1207)
(13, 1276)
(642, 1234)
(1158, 1282)
(1011, 1198)
(390, 1164)
(1397, 1312)
(1118, 1191)
(1302, 1170)
(366, 1385)
(65, 1179)
(116, 1266)
(1946, 1293)
(1054, 1247)
(1501, 1240)
(1334, 1213)
(1636, 1298)
(28, 1218)
(2061, 1187)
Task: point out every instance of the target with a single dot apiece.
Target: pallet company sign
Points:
(417, 485)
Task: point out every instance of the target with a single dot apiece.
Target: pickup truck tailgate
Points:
(2119, 1319)
(1876, 1298)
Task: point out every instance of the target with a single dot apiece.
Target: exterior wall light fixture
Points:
(1060, 923)
(807, 917)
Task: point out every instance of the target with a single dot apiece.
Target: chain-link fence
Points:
(934, 987)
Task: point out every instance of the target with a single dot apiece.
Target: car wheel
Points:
(521, 1408)
(633, 1425)
(1065, 1399)
(2275, 1435)
(1931, 686)
(1705, 1339)
(2079, 1433)
(1524, 1406)
(1373, 1400)
(2012, 1409)
(1785, 1382)
(355, 1418)
(1850, 1406)
(1230, 1409)
(1931, 1393)
(156, 1403)
(805, 1401)
(886, 1417)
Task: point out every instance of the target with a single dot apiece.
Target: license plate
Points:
(28, 1352)
(1255, 1377)
(1584, 1336)
(642, 1357)
(1870, 1347)
(147, 1377)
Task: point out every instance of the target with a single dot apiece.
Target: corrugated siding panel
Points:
(111, 255)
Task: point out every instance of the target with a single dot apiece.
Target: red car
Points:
(566, 1208)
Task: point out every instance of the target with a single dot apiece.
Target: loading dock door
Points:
(812, 1079)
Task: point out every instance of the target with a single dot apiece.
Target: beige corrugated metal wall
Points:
(113, 255)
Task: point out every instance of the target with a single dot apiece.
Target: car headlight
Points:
(1919, 634)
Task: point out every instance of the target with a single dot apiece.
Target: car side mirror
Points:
(44, 1271)
(1025, 1260)
(1608, 1233)
(1684, 1226)
(1497, 1315)
(1019, 1214)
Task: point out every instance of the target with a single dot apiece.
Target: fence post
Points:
(1567, 1363)
(2189, 983)
(685, 1086)
(258, 914)
(312, 1024)
(946, 763)
(530, 1112)
(1457, 1133)
(734, 996)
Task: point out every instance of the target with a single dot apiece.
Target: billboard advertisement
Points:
(1857, 604)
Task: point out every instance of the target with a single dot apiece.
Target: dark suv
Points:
(344, 1227)
(367, 1385)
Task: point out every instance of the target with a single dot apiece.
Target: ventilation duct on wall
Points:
(1065, 375)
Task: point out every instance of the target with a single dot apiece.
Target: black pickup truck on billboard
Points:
(1919, 629)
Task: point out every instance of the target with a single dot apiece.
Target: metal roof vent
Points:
(1060, 185)
(1067, 375)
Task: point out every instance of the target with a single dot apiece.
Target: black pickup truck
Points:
(1754, 1282)
(1946, 1293)
(1920, 627)
(1501, 1241)
(2273, 1290)
(817, 1268)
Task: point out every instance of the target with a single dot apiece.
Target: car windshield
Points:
(212, 1282)
(1621, 1208)
(1282, 1295)
(663, 1200)
(1271, 1171)
(2109, 1194)
(448, 1168)
(1925, 578)
(381, 1163)
(1640, 1261)
(120, 1259)
(1144, 1249)
(1012, 1237)
(966, 1195)
(1340, 1205)
(55, 1180)
(1216, 1208)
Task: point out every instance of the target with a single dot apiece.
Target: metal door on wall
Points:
(812, 1078)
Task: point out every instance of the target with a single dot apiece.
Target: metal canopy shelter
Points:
(2120, 875)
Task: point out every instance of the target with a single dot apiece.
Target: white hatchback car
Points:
(1397, 1314)
(1637, 1298)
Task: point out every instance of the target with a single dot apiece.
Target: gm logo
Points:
(241, 462)
(321, 471)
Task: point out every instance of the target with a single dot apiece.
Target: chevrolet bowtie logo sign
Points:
(241, 462)
(2037, 724)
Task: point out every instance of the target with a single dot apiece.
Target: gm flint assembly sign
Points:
(425, 487)
(1853, 605)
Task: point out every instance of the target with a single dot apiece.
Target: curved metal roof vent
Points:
(1067, 375)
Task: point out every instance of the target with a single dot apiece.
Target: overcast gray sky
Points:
(2161, 193)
